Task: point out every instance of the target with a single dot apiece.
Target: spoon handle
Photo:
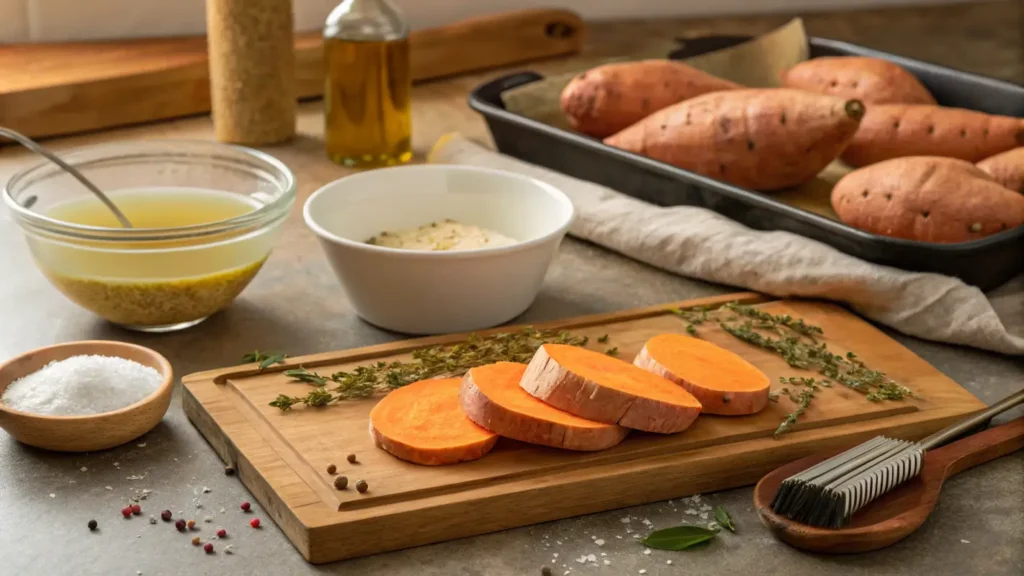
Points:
(978, 448)
(950, 432)
(39, 149)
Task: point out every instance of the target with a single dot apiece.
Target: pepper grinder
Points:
(252, 70)
(369, 83)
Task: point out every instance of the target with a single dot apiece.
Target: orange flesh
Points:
(704, 364)
(614, 373)
(427, 415)
(499, 382)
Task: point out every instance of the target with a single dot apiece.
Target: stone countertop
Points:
(295, 304)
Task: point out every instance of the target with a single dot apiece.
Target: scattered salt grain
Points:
(624, 520)
(607, 562)
(135, 477)
(559, 542)
(52, 495)
(141, 444)
(599, 542)
(206, 490)
(83, 469)
(109, 487)
(222, 510)
(117, 464)
(642, 571)
(691, 511)
(713, 526)
(229, 549)
(208, 519)
(86, 384)
(703, 515)
(647, 551)
(619, 537)
(646, 522)
(962, 541)
(591, 558)
(593, 537)
(581, 559)
(669, 562)
(636, 536)
(555, 555)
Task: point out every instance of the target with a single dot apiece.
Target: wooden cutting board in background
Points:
(282, 456)
(56, 89)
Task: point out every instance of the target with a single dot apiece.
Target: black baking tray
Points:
(985, 263)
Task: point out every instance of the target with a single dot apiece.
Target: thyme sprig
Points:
(432, 362)
(266, 359)
(800, 345)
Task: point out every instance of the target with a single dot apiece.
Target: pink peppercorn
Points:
(222, 533)
(255, 523)
(136, 509)
(126, 511)
(191, 524)
(208, 548)
(166, 515)
(180, 525)
(246, 506)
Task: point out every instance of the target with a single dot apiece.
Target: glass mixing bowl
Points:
(154, 279)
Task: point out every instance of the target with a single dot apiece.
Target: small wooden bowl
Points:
(94, 431)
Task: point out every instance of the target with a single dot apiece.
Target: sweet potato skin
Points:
(525, 427)
(896, 130)
(870, 80)
(764, 139)
(929, 198)
(608, 98)
(1006, 168)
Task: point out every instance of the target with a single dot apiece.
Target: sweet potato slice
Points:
(870, 80)
(764, 139)
(423, 423)
(606, 99)
(598, 387)
(1006, 168)
(491, 397)
(895, 130)
(721, 380)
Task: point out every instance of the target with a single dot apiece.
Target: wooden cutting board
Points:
(53, 89)
(282, 457)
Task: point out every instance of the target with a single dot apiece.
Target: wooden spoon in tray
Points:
(896, 514)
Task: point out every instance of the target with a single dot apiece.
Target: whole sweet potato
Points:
(764, 139)
(870, 80)
(1006, 168)
(895, 130)
(927, 198)
(608, 98)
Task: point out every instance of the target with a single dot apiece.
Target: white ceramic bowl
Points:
(438, 292)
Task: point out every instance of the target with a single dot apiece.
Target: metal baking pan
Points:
(985, 263)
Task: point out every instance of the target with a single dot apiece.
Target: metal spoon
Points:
(38, 149)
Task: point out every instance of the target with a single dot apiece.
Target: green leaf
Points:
(612, 351)
(253, 356)
(303, 375)
(603, 339)
(723, 518)
(678, 538)
(271, 359)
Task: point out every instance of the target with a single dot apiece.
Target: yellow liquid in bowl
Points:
(177, 283)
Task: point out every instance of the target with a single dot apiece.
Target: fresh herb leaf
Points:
(612, 351)
(723, 518)
(432, 362)
(266, 359)
(678, 538)
(603, 339)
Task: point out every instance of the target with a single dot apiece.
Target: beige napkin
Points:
(699, 243)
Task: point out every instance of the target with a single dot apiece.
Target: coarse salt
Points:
(79, 385)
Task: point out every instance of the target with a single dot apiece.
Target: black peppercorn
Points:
(331, 468)
(545, 571)
(341, 482)
(351, 458)
(92, 524)
(362, 486)
(229, 470)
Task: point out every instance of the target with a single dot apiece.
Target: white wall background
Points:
(63, 20)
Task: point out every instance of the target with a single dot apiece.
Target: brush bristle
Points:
(828, 494)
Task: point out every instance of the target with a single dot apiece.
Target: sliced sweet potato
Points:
(896, 130)
(927, 198)
(721, 380)
(764, 139)
(598, 387)
(606, 99)
(491, 397)
(1006, 168)
(423, 423)
(870, 80)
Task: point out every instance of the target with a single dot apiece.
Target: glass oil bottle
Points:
(368, 87)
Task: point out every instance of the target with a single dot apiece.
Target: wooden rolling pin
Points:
(57, 89)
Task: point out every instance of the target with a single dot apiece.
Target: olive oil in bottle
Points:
(368, 87)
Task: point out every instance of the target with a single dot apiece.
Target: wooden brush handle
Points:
(979, 448)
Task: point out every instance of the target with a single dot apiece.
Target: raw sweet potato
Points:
(926, 198)
(896, 130)
(870, 80)
(491, 397)
(764, 139)
(423, 423)
(722, 381)
(608, 98)
(1006, 168)
(598, 387)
